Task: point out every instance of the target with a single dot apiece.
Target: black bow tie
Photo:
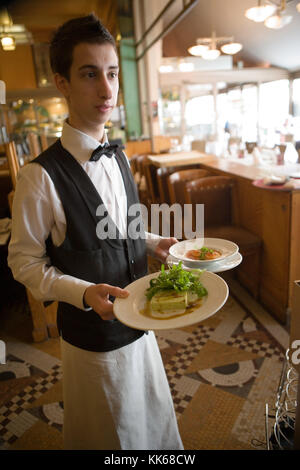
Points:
(105, 149)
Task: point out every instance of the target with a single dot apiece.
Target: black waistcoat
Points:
(82, 254)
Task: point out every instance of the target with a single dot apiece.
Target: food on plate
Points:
(174, 292)
(203, 253)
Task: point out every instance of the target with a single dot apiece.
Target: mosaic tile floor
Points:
(221, 372)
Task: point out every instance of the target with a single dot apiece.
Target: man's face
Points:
(92, 90)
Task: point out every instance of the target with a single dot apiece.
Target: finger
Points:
(107, 289)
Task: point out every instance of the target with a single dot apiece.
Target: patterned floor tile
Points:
(39, 437)
(207, 422)
(251, 421)
(221, 373)
(215, 354)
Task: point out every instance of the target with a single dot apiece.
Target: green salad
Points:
(178, 280)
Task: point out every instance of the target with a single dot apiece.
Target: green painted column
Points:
(130, 87)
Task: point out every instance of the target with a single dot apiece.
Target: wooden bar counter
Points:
(273, 215)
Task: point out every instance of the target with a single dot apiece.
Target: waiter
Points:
(115, 390)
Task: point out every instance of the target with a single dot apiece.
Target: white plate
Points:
(179, 250)
(217, 267)
(128, 310)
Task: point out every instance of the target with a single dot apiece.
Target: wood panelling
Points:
(17, 68)
(275, 218)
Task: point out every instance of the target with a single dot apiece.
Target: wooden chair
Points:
(34, 145)
(13, 166)
(148, 173)
(13, 161)
(163, 175)
(44, 142)
(43, 319)
(177, 181)
(217, 193)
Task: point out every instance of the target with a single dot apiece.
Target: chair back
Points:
(34, 145)
(177, 181)
(13, 161)
(162, 175)
(148, 172)
(44, 142)
(215, 192)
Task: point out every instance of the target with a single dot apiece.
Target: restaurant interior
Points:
(208, 113)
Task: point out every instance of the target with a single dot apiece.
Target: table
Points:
(165, 160)
(272, 215)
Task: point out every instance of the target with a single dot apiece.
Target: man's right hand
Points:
(97, 297)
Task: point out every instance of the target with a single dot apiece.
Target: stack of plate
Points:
(229, 259)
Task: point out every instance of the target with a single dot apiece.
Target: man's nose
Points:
(104, 88)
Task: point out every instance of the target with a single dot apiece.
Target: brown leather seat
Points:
(178, 180)
(216, 193)
(162, 179)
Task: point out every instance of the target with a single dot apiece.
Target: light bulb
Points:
(8, 43)
(260, 13)
(198, 50)
(278, 21)
(211, 54)
(232, 48)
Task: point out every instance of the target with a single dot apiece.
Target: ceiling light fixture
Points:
(261, 12)
(298, 7)
(8, 43)
(207, 47)
(12, 34)
(231, 48)
(279, 20)
(197, 50)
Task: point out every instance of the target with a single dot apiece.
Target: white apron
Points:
(118, 399)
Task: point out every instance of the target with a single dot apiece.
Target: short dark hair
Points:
(78, 30)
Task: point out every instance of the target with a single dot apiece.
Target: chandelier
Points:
(273, 15)
(207, 48)
(12, 34)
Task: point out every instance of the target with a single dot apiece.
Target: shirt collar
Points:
(79, 144)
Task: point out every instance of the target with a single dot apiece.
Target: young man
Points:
(116, 394)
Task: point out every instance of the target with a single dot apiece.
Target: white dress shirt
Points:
(38, 211)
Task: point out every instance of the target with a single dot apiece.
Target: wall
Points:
(17, 68)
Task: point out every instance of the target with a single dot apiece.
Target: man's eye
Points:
(113, 74)
(90, 74)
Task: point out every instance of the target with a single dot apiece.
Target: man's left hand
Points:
(162, 249)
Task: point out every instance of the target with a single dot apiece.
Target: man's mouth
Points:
(104, 108)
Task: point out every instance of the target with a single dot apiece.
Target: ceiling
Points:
(42, 17)
(261, 46)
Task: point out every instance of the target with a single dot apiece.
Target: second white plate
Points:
(226, 247)
(218, 267)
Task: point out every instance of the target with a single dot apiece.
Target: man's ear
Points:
(62, 84)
